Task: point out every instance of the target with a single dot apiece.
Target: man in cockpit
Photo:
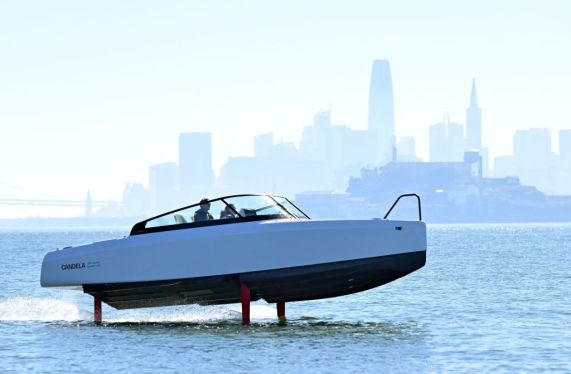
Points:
(203, 213)
(229, 211)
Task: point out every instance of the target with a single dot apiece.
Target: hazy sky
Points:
(92, 93)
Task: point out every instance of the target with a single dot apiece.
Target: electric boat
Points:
(239, 248)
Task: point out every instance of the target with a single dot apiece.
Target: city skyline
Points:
(91, 95)
(170, 184)
(338, 150)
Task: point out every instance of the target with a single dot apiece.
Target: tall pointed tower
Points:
(88, 204)
(474, 122)
(381, 109)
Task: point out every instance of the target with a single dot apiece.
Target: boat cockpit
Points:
(221, 211)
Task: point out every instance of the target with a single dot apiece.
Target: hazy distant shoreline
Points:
(67, 222)
(127, 223)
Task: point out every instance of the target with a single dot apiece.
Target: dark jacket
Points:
(202, 215)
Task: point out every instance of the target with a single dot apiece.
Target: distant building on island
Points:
(450, 191)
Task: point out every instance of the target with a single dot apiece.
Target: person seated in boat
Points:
(229, 211)
(203, 213)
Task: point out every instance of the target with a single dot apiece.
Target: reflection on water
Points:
(195, 318)
(291, 328)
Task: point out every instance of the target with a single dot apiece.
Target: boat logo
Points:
(78, 265)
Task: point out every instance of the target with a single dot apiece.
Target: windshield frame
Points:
(140, 227)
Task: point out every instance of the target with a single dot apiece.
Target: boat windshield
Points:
(255, 205)
(226, 210)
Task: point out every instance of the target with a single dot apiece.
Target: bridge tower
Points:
(88, 204)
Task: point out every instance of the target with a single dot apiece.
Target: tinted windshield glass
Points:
(248, 206)
(196, 213)
(227, 210)
(290, 207)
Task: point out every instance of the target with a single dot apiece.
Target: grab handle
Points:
(406, 195)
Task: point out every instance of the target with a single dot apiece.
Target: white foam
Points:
(190, 313)
(193, 314)
(47, 309)
(258, 311)
(39, 309)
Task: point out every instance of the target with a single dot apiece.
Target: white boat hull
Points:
(207, 264)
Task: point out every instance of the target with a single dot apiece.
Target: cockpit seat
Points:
(244, 212)
(179, 218)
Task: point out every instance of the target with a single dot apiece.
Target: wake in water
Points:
(51, 310)
(189, 314)
(38, 309)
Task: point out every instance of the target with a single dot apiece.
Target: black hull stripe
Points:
(291, 284)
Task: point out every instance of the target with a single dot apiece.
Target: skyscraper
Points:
(532, 148)
(88, 205)
(163, 180)
(381, 109)
(406, 148)
(438, 141)
(535, 164)
(456, 142)
(446, 142)
(565, 144)
(195, 165)
(474, 122)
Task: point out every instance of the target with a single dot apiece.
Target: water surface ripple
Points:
(491, 298)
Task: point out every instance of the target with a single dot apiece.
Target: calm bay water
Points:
(490, 298)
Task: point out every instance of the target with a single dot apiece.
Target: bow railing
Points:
(406, 195)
